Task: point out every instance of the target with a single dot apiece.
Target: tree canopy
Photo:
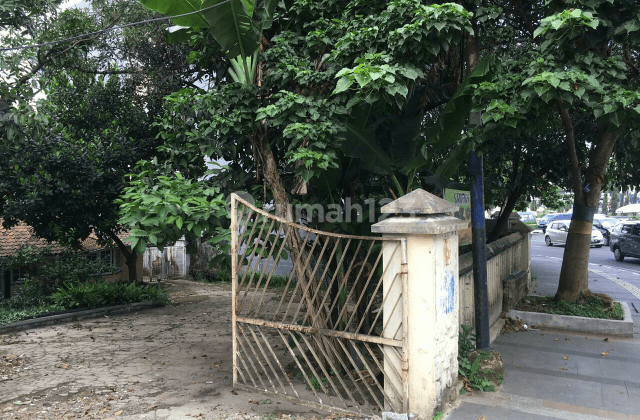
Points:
(319, 101)
(66, 154)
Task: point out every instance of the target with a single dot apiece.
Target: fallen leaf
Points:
(604, 353)
(234, 392)
(568, 339)
(482, 418)
(118, 413)
(555, 339)
(606, 339)
(517, 366)
(563, 368)
(65, 366)
(566, 357)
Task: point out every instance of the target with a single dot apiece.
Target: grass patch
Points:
(224, 277)
(590, 307)
(9, 315)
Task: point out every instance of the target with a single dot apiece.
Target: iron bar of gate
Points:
(234, 283)
(311, 230)
(326, 332)
(405, 327)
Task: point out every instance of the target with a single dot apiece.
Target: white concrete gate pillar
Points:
(432, 297)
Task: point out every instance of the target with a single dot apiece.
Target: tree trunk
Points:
(317, 315)
(502, 224)
(131, 257)
(132, 260)
(574, 274)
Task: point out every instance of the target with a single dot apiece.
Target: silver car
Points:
(557, 234)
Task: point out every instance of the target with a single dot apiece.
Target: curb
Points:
(623, 328)
(76, 316)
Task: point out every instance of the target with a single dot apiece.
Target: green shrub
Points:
(31, 294)
(73, 267)
(9, 315)
(93, 294)
(224, 276)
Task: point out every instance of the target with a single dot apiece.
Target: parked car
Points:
(604, 225)
(526, 216)
(625, 240)
(554, 217)
(560, 216)
(558, 230)
(542, 222)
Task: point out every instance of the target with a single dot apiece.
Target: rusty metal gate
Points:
(332, 333)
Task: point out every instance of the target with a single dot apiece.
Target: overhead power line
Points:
(90, 34)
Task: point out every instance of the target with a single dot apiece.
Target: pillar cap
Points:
(421, 225)
(419, 202)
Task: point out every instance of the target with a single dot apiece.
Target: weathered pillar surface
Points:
(432, 296)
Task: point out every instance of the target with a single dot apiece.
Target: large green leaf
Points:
(180, 7)
(232, 26)
(362, 144)
(231, 22)
(236, 25)
(452, 119)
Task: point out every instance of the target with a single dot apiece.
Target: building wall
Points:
(124, 274)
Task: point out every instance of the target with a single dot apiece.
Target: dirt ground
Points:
(168, 363)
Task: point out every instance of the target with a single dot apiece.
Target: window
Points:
(108, 256)
(16, 275)
(554, 226)
(626, 229)
(636, 230)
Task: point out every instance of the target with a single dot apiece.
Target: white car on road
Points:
(557, 232)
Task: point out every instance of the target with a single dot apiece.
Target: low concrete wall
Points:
(508, 259)
(75, 316)
(622, 328)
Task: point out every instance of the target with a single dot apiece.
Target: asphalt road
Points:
(621, 280)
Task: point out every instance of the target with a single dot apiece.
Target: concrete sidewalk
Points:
(540, 384)
(556, 375)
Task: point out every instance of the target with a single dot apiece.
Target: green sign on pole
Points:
(462, 199)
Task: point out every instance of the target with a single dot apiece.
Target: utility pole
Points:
(479, 247)
(478, 231)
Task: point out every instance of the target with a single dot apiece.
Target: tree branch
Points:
(121, 246)
(90, 71)
(53, 53)
(576, 172)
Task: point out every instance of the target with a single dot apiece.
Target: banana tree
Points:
(237, 25)
(410, 147)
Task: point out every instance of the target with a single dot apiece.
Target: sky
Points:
(74, 3)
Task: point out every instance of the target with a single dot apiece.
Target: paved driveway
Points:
(167, 363)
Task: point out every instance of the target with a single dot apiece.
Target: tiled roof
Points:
(20, 236)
